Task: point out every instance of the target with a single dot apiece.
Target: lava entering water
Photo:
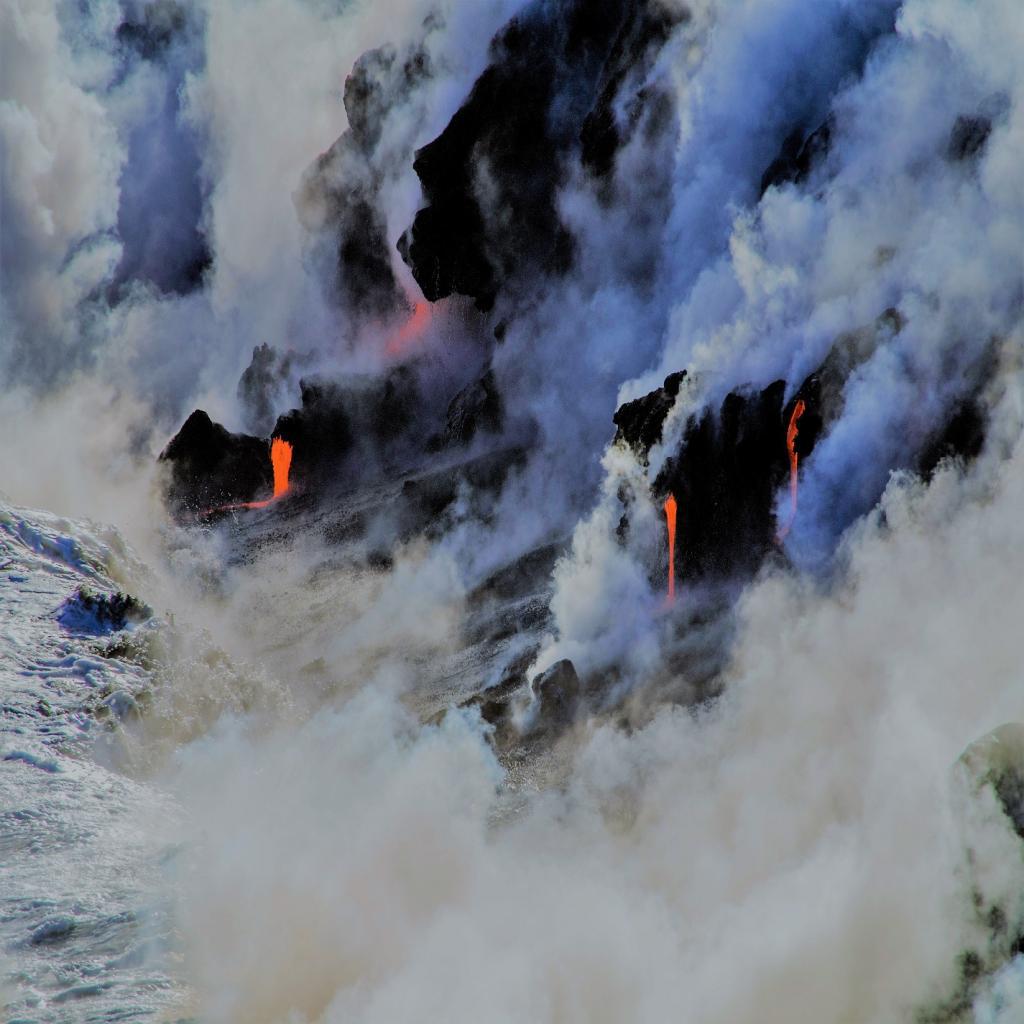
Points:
(670, 519)
(794, 460)
(281, 460)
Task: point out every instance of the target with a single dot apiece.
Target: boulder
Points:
(209, 466)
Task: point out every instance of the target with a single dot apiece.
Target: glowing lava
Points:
(670, 519)
(410, 330)
(281, 461)
(794, 461)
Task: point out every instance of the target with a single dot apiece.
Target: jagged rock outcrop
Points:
(340, 197)
(210, 466)
(490, 179)
(800, 154)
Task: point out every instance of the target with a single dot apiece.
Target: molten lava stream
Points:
(670, 519)
(281, 461)
(794, 464)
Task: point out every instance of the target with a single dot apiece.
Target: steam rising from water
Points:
(796, 851)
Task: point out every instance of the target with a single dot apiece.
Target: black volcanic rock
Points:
(640, 422)
(477, 407)
(340, 194)
(490, 179)
(209, 466)
(725, 477)
(261, 384)
(637, 44)
(968, 136)
(558, 690)
(799, 155)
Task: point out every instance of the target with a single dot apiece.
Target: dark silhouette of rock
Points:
(558, 691)
(640, 422)
(340, 194)
(968, 136)
(209, 466)
(260, 388)
(477, 407)
(799, 155)
(552, 67)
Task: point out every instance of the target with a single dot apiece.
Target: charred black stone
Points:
(640, 422)
(725, 477)
(800, 153)
(209, 466)
(968, 137)
(477, 407)
(558, 690)
(320, 431)
(339, 197)
(637, 44)
(551, 66)
(260, 385)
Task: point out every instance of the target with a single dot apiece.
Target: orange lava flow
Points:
(410, 330)
(670, 519)
(281, 460)
(794, 463)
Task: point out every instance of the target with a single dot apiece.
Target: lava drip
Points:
(794, 462)
(281, 461)
(670, 519)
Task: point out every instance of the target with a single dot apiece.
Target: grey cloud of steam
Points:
(796, 852)
(889, 222)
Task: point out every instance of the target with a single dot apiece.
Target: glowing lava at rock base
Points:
(670, 519)
(794, 462)
(281, 461)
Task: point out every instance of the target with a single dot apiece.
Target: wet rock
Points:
(962, 438)
(800, 154)
(624, 94)
(339, 200)
(558, 691)
(997, 759)
(639, 423)
(477, 407)
(491, 178)
(53, 930)
(209, 466)
(261, 386)
(87, 612)
(968, 136)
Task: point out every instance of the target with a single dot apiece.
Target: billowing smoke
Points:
(506, 278)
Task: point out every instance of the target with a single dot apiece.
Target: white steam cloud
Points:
(807, 846)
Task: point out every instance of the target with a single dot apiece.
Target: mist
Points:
(757, 806)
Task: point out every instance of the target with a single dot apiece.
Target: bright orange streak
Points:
(670, 519)
(281, 460)
(794, 462)
(410, 330)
